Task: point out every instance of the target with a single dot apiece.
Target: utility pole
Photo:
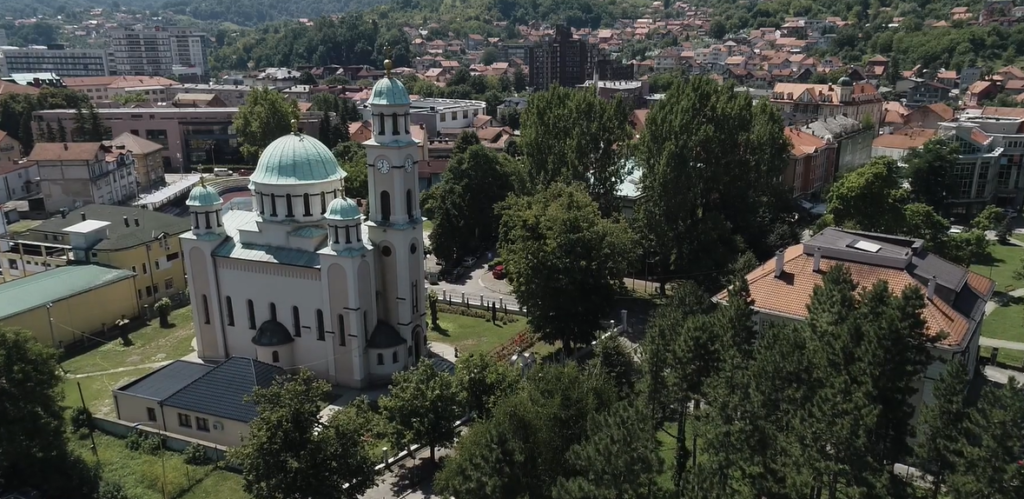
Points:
(95, 451)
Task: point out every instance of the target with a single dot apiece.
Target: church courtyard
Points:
(472, 335)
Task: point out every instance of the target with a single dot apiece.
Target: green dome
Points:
(296, 159)
(389, 92)
(272, 334)
(203, 195)
(343, 209)
(845, 82)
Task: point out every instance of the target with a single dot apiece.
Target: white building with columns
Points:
(304, 279)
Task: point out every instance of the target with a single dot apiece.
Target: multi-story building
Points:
(190, 136)
(991, 152)
(802, 103)
(148, 160)
(55, 59)
(438, 114)
(811, 163)
(155, 51)
(17, 176)
(105, 88)
(852, 140)
(142, 241)
(559, 59)
(72, 175)
(924, 93)
(232, 95)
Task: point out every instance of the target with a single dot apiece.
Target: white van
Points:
(221, 172)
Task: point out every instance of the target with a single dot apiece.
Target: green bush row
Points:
(475, 313)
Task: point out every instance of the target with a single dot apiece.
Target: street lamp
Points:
(49, 316)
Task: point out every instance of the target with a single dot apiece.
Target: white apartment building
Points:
(55, 59)
(104, 88)
(438, 114)
(156, 51)
(72, 175)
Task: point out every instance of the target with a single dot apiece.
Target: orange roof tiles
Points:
(908, 138)
(11, 88)
(803, 143)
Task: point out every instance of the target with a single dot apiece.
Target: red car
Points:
(498, 272)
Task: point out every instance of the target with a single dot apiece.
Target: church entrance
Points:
(417, 342)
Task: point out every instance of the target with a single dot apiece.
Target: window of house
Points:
(323, 203)
(184, 420)
(206, 310)
(455, 115)
(156, 265)
(394, 125)
(408, 203)
(341, 329)
(444, 117)
(252, 314)
(230, 310)
(140, 294)
(296, 322)
(380, 124)
(202, 424)
(320, 325)
(380, 359)
(172, 256)
(12, 263)
(273, 204)
(149, 291)
(465, 114)
(145, 270)
(150, 414)
(394, 357)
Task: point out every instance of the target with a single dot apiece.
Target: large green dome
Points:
(389, 92)
(203, 195)
(296, 159)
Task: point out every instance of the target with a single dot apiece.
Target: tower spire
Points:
(387, 61)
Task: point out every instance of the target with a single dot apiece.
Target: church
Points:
(304, 279)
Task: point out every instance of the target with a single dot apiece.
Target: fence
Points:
(178, 443)
(481, 302)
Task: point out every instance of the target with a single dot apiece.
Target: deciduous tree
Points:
(483, 382)
(930, 173)
(265, 116)
(422, 408)
(565, 262)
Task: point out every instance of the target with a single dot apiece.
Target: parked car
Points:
(956, 229)
(1010, 213)
(498, 272)
(221, 172)
(469, 262)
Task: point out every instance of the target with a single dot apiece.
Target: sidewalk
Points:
(1001, 344)
(407, 479)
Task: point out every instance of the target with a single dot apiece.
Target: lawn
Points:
(1002, 261)
(96, 390)
(472, 335)
(428, 226)
(668, 450)
(149, 344)
(142, 475)
(1006, 322)
(1013, 358)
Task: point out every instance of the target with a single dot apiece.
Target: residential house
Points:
(979, 92)
(81, 173)
(148, 158)
(960, 14)
(62, 306)
(1014, 87)
(198, 401)
(104, 88)
(929, 117)
(926, 92)
(197, 100)
(800, 102)
(17, 176)
(475, 42)
(876, 67)
(360, 131)
(898, 143)
(955, 298)
(947, 78)
(142, 241)
(811, 163)
(852, 140)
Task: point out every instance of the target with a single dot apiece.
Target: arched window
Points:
(195, 224)
(207, 217)
(320, 324)
(323, 203)
(380, 124)
(275, 357)
(408, 203)
(407, 124)
(206, 310)
(380, 359)
(252, 313)
(273, 204)
(394, 125)
(341, 329)
(394, 357)
(296, 322)
(288, 205)
(230, 310)
(385, 206)
(259, 202)
(305, 205)
(273, 311)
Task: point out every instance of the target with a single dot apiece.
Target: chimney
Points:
(126, 224)
(780, 261)
(931, 287)
(83, 215)
(136, 221)
(65, 146)
(817, 259)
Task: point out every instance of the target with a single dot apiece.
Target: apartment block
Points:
(55, 59)
(559, 60)
(156, 51)
(72, 175)
(105, 88)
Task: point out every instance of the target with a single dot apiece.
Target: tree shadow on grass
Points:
(989, 260)
(440, 330)
(413, 474)
(1007, 300)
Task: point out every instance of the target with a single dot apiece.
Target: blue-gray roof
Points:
(343, 209)
(221, 392)
(384, 335)
(203, 195)
(296, 159)
(389, 92)
(233, 248)
(34, 291)
(162, 383)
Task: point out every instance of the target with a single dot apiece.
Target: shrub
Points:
(133, 441)
(111, 490)
(137, 441)
(195, 455)
(81, 418)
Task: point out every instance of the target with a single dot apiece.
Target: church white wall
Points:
(286, 287)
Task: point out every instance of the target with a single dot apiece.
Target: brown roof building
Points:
(781, 289)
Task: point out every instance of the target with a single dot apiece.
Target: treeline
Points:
(16, 111)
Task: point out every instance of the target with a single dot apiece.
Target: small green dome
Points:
(343, 209)
(296, 159)
(203, 195)
(845, 82)
(389, 92)
(272, 334)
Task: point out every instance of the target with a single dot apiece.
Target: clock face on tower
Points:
(408, 164)
(383, 166)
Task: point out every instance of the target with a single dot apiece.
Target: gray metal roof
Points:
(151, 224)
(221, 392)
(384, 335)
(233, 248)
(839, 239)
(163, 382)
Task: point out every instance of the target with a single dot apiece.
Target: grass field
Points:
(1006, 322)
(668, 450)
(1003, 260)
(472, 335)
(1013, 358)
(148, 345)
(96, 390)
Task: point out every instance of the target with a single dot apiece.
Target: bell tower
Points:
(394, 224)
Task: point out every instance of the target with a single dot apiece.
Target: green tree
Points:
(265, 116)
(483, 382)
(50, 135)
(991, 467)
(570, 136)
(718, 29)
(465, 140)
(127, 99)
(325, 102)
(943, 444)
(921, 221)
(929, 172)
(617, 362)
(326, 131)
(869, 198)
(33, 451)
(489, 56)
(95, 129)
(290, 454)
(306, 78)
(463, 205)
(510, 117)
(62, 133)
(422, 408)
(356, 178)
(991, 218)
(565, 262)
(518, 80)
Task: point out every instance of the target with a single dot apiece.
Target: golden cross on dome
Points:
(295, 126)
(387, 61)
